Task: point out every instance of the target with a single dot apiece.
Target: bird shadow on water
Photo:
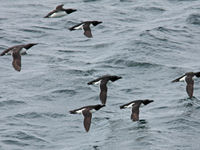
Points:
(142, 124)
(189, 105)
(189, 102)
(139, 125)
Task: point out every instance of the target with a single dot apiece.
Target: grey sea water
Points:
(148, 43)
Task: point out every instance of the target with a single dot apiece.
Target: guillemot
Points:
(16, 51)
(188, 78)
(86, 27)
(59, 12)
(103, 81)
(87, 113)
(135, 105)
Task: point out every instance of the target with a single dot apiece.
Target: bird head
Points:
(114, 78)
(147, 101)
(99, 106)
(96, 23)
(27, 46)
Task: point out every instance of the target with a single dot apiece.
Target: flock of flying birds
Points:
(18, 50)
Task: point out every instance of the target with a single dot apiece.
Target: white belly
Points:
(79, 27)
(79, 111)
(23, 51)
(58, 14)
(130, 105)
(9, 53)
(182, 79)
(98, 82)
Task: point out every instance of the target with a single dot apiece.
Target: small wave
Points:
(3, 19)
(90, 0)
(194, 19)
(167, 30)
(36, 115)
(55, 115)
(44, 28)
(131, 63)
(29, 115)
(70, 51)
(14, 142)
(177, 121)
(72, 92)
(31, 30)
(151, 9)
(24, 136)
(81, 72)
(11, 102)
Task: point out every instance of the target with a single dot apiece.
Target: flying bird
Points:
(59, 12)
(16, 52)
(86, 27)
(103, 85)
(188, 78)
(135, 105)
(87, 113)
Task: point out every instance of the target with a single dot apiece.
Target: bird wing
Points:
(50, 13)
(59, 7)
(17, 59)
(135, 112)
(98, 79)
(177, 80)
(94, 81)
(197, 74)
(103, 93)
(87, 119)
(189, 86)
(11, 48)
(76, 27)
(87, 30)
(126, 105)
(6, 51)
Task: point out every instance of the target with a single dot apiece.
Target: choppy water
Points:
(148, 43)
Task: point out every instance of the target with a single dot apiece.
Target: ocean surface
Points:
(148, 43)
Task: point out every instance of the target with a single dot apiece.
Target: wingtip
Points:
(174, 81)
(88, 36)
(72, 112)
(18, 70)
(70, 29)
(121, 107)
(87, 130)
(89, 83)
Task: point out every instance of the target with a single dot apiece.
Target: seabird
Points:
(59, 12)
(103, 81)
(86, 27)
(16, 51)
(135, 107)
(188, 78)
(87, 113)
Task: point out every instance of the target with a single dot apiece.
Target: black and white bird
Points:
(103, 85)
(86, 27)
(135, 105)
(188, 78)
(59, 12)
(16, 52)
(87, 113)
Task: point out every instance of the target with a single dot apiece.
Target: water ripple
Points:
(11, 103)
(194, 19)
